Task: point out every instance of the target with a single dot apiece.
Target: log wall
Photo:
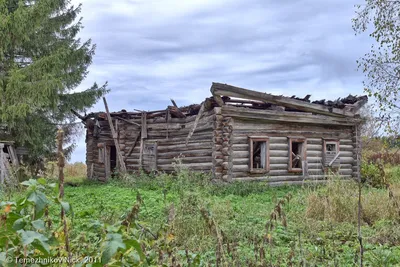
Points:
(170, 139)
(278, 134)
(220, 144)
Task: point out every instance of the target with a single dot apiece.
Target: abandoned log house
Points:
(236, 134)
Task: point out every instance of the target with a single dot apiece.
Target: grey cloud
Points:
(151, 51)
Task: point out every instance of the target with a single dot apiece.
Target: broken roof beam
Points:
(82, 118)
(355, 108)
(229, 90)
(127, 121)
(175, 111)
(174, 103)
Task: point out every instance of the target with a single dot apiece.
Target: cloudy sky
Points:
(152, 50)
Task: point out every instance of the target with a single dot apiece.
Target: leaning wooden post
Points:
(115, 137)
(142, 137)
(61, 165)
(196, 121)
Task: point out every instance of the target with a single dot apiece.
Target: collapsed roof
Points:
(228, 95)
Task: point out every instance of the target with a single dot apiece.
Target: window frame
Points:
(327, 141)
(298, 139)
(101, 157)
(267, 156)
(153, 156)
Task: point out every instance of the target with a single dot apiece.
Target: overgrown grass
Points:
(74, 173)
(256, 224)
(321, 220)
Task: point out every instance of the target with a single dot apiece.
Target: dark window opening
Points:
(331, 148)
(259, 154)
(297, 154)
(113, 158)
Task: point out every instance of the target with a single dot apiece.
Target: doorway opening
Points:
(113, 158)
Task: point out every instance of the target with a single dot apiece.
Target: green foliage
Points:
(174, 220)
(374, 174)
(381, 64)
(42, 62)
(24, 232)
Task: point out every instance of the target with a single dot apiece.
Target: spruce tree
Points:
(42, 61)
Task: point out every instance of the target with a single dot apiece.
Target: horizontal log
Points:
(300, 125)
(273, 167)
(196, 137)
(314, 141)
(346, 160)
(192, 153)
(279, 160)
(278, 153)
(284, 117)
(194, 166)
(314, 153)
(310, 134)
(185, 160)
(346, 148)
(346, 172)
(240, 147)
(181, 131)
(136, 118)
(177, 126)
(317, 165)
(346, 154)
(244, 139)
(132, 161)
(346, 166)
(240, 154)
(346, 142)
(284, 147)
(163, 134)
(311, 147)
(240, 168)
(184, 147)
(240, 161)
(99, 171)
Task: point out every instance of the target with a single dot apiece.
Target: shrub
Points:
(374, 174)
(387, 157)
